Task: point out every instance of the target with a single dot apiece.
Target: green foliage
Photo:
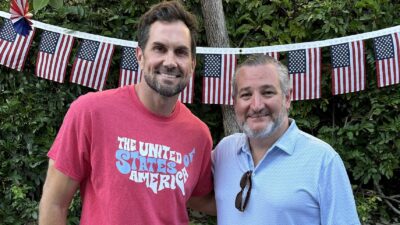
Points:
(366, 207)
(363, 127)
(39, 4)
(31, 111)
(57, 4)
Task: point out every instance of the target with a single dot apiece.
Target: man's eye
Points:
(158, 48)
(181, 52)
(245, 95)
(268, 93)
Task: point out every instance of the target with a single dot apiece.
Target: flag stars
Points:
(7, 32)
(212, 65)
(129, 60)
(384, 47)
(340, 55)
(297, 61)
(49, 42)
(88, 50)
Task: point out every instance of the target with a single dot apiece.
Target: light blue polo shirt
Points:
(300, 181)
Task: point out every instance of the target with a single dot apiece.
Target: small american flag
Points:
(129, 70)
(92, 64)
(305, 69)
(387, 51)
(186, 96)
(348, 67)
(53, 56)
(273, 54)
(218, 73)
(13, 47)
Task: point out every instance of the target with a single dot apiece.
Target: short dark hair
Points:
(261, 59)
(168, 11)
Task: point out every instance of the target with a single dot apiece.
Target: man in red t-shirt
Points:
(136, 154)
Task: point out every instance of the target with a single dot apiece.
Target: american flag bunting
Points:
(53, 56)
(218, 73)
(387, 59)
(348, 67)
(305, 71)
(92, 64)
(129, 69)
(13, 47)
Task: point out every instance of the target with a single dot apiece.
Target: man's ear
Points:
(139, 56)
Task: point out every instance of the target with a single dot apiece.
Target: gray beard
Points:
(267, 131)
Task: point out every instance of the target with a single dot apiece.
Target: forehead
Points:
(256, 76)
(176, 33)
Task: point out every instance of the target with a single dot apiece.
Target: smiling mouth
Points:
(169, 75)
(255, 116)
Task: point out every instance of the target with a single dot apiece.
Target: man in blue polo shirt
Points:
(274, 173)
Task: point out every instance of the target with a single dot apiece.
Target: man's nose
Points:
(256, 102)
(170, 60)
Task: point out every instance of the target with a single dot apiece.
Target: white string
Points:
(212, 50)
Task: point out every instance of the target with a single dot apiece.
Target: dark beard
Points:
(164, 90)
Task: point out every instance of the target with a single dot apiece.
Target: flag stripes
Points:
(387, 53)
(14, 47)
(305, 71)
(348, 72)
(186, 96)
(129, 67)
(92, 64)
(53, 59)
(219, 70)
(128, 77)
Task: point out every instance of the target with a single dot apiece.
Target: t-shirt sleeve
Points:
(336, 196)
(205, 183)
(70, 149)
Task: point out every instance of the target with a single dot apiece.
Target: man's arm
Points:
(58, 191)
(205, 204)
(337, 204)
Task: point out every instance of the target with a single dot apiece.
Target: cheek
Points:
(185, 64)
(240, 110)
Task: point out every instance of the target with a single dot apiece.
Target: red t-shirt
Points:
(134, 167)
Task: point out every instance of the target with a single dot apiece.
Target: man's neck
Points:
(260, 146)
(155, 102)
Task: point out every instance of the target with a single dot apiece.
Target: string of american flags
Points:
(93, 60)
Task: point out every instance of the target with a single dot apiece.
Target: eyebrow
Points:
(181, 47)
(267, 86)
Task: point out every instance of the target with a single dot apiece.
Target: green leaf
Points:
(57, 4)
(245, 28)
(39, 4)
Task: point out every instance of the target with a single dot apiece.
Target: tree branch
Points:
(385, 199)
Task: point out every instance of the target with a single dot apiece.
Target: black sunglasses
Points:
(244, 181)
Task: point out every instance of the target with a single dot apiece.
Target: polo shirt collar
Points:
(285, 143)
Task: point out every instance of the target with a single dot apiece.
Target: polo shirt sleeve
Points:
(337, 203)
